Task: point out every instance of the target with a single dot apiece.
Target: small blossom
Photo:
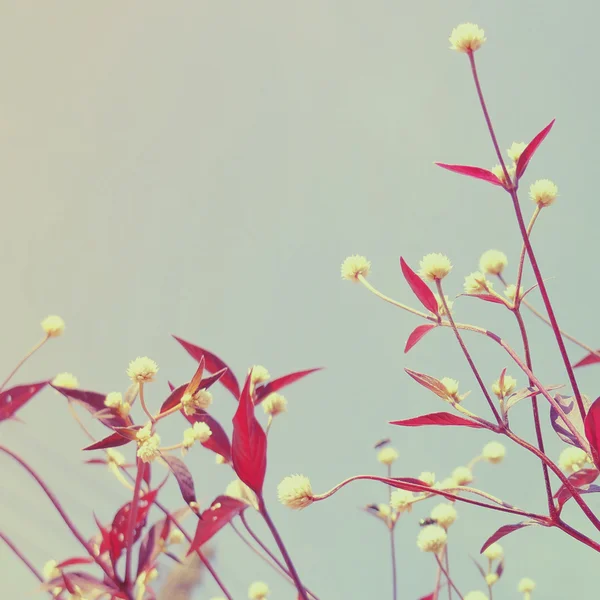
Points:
(384, 511)
(113, 400)
(572, 459)
(191, 403)
(258, 590)
(491, 579)
(543, 192)
(144, 433)
(354, 266)
(295, 492)
(515, 151)
(451, 386)
(142, 369)
(476, 595)
(427, 477)
(526, 585)
(476, 283)
(50, 570)
(441, 307)
(467, 37)
(148, 450)
(114, 456)
(498, 171)
(508, 387)
(176, 537)
(66, 380)
(274, 404)
(259, 374)
(240, 491)
(510, 291)
(493, 262)
(444, 514)
(388, 455)
(435, 266)
(432, 538)
(493, 452)
(53, 326)
(462, 475)
(401, 500)
(494, 551)
(220, 460)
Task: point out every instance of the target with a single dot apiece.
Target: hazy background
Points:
(203, 168)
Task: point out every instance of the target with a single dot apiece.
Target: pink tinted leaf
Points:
(581, 481)
(417, 334)
(486, 298)
(220, 513)
(571, 410)
(428, 597)
(592, 430)
(78, 560)
(439, 418)
(93, 402)
(505, 530)
(213, 364)
(212, 379)
(114, 440)
(419, 287)
(431, 383)
(184, 478)
(147, 547)
(218, 442)
(249, 443)
(15, 398)
(281, 382)
(590, 359)
(529, 151)
(476, 172)
(174, 398)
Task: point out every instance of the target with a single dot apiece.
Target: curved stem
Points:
(143, 403)
(448, 578)
(392, 529)
(534, 217)
(22, 361)
(447, 560)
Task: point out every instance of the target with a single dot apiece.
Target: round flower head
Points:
(66, 380)
(220, 460)
(515, 151)
(401, 500)
(258, 590)
(176, 537)
(354, 266)
(144, 433)
(50, 571)
(386, 456)
(451, 386)
(432, 539)
(441, 307)
(191, 403)
(148, 450)
(498, 171)
(511, 290)
(526, 585)
(462, 475)
(476, 595)
(113, 400)
(543, 192)
(384, 511)
(444, 514)
(142, 370)
(114, 456)
(572, 459)
(240, 491)
(493, 262)
(274, 404)
(259, 374)
(508, 387)
(476, 283)
(491, 579)
(449, 482)
(295, 492)
(427, 477)
(493, 452)
(435, 266)
(467, 37)
(202, 432)
(494, 551)
(53, 326)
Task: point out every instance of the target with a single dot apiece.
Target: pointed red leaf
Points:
(184, 479)
(114, 440)
(221, 511)
(93, 402)
(419, 288)
(77, 560)
(439, 418)
(213, 364)
(529, 151)
(505, 530)
(249, 443)
(218, 442)
(13, 399)
(580, 480)
(592, 430)
(277, 384)
(590, 359)
(476, 172)
(415, 337)
(174, 398)
(486, 298)
(428, 597)
(431, 383)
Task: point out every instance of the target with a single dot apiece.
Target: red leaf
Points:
(529, 151)
(592, 430)
(486, 298)
(249, 443)
(428, 597)
(476, 172)
(590, 359)
(439, 418)
(13, 399)
(505, 530)
(221, 511)
(281, 382)
(415, 337)
(431, 383)
(419, 288)
(93, 402)
(78, 560)
(112, 441)
(579, 479)
(218, 442)
(213, 363)
(177, 393)
(174, 398)
(184, 479)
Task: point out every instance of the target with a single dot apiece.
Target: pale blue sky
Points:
(203, 168)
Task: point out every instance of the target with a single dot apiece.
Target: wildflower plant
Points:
(123, 558)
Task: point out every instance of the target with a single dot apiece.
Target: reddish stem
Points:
(141, 466)
(449, 579)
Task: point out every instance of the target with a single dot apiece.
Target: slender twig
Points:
(392, 529)
(22, 361)
(438, 581)
(447, 576)
(133, 509)
(532, 221)
(447, 560)
(143, 403)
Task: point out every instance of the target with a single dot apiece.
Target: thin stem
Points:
(447, 576)
(532, 258)
(534, 217)
(143, 403)
(141, 467)
(22, 361)
(467, 354)
(160, 416)
(438, 581)
(286, 557)
(392, 529)
(447, 560)
(78, 420)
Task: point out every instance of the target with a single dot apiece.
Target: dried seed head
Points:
(435, 266)
(432, 539)
(274, 404)
(467, 37)
(142, 370)
(354, 266)
(53, 325)
(295, 492)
